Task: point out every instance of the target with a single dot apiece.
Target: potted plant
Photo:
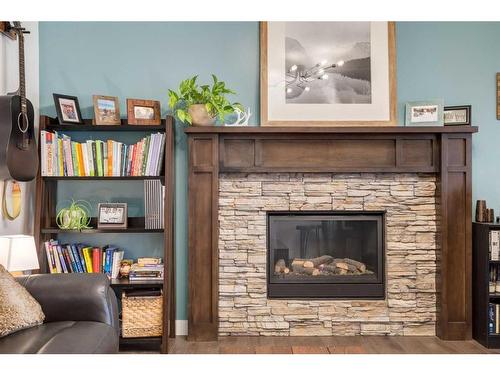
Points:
(201, 105)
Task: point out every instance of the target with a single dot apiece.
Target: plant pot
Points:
(200, 116)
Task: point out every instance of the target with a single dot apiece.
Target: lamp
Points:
(18, 253)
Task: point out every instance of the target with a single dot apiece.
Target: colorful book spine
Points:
(79, 156)
(62, 169)
(61, 259)
(74, 158)
(67, 258)
(110, 148)
(87, 254)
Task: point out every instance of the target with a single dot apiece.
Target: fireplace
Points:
(325, 254)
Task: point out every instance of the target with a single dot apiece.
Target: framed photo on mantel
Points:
(327, 74)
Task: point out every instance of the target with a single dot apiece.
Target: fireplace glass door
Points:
(325, 254)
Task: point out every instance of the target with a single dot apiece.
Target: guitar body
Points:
(18, 150)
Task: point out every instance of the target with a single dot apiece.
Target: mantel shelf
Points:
(331, 129)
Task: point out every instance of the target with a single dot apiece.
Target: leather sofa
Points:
(81, 316)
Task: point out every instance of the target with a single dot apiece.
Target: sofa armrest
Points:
(74, 297)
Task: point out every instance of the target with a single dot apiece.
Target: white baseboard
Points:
(181, 327)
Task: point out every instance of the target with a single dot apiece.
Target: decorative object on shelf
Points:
(242, 117)
(11, 200)
(201, 105)
(106, 110)
(112, 215)
(74, 217)
(313, 72)
(125, 266)
(457, 115)
(491, 215)
(19, 154)
(143, 112)
(498, 96)
(68, 109)
(424, 113)
(481, 211)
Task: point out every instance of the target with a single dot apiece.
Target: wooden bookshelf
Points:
(481, 296)
(46, 228)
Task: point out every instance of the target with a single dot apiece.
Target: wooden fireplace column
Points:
(445, 151)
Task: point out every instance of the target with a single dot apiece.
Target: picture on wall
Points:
(327, 73)
(106, 110)
(68, 109)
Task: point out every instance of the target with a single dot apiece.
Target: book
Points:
(50, 258)
(79, 158)
(62, 260)
(96, 260)
(53, 248)
(115, 268)
(110, 156)
(67, 258)
(495, 245)
(491, 318)
(497, 321)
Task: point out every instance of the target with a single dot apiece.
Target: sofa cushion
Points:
(67, 337)
(18, 309)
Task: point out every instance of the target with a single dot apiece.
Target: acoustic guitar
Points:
(18, 149)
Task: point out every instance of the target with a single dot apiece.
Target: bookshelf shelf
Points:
(46, 228)
(481, 297)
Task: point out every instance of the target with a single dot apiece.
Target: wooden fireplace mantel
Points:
(445, 151)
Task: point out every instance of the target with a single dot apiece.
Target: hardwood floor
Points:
(328, 345)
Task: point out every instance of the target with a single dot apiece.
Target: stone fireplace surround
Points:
(411, 253)
(442, 153)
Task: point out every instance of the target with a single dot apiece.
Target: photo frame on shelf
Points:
(328, 73)
(112, 216)
(424, 113)
(457, 115)
(106, 110)
(68, 109)
(143, 112)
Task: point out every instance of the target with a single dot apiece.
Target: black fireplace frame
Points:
(343, 288)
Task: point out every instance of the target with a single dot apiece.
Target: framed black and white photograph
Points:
(457, 115)
(68, 109)
(328, 73)
(424, 113)
(112, 215)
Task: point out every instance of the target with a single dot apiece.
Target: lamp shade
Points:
(18, 253)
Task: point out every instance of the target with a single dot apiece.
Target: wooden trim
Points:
(330, 130)
(264, 95)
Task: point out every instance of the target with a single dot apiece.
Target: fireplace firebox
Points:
(325, 254)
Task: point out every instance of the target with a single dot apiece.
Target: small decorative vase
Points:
(200, 116)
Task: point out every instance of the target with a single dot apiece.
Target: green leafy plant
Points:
(76, 216)
(214, 99)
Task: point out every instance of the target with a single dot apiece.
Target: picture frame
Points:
(67, 109)
(457, 115)
(363, 98)
(112, 216)
(424, 113)
(106, 110)
(143, 112)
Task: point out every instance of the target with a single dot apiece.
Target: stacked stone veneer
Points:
(411, 254)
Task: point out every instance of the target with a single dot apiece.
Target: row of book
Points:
(494, 249)
(494, 318)
(154, 196)
(494, 284)
(146, 269)
(80, 258)
(60, 156)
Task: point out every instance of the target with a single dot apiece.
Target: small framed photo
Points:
(112, 216)
(143, 112)
(457, 115)
(68, 109)
(424, 113)
(106, 110)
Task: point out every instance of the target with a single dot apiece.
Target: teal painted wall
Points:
(453, 61)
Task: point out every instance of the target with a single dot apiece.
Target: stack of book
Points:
(494, 318)
(80, 258)
(154, 195)
(146, 269)
(60, 156)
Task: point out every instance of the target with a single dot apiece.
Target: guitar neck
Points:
(22, 81)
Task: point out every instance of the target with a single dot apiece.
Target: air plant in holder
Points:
(201, 104)
(75, 217)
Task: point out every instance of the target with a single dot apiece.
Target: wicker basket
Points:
(142, 316)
